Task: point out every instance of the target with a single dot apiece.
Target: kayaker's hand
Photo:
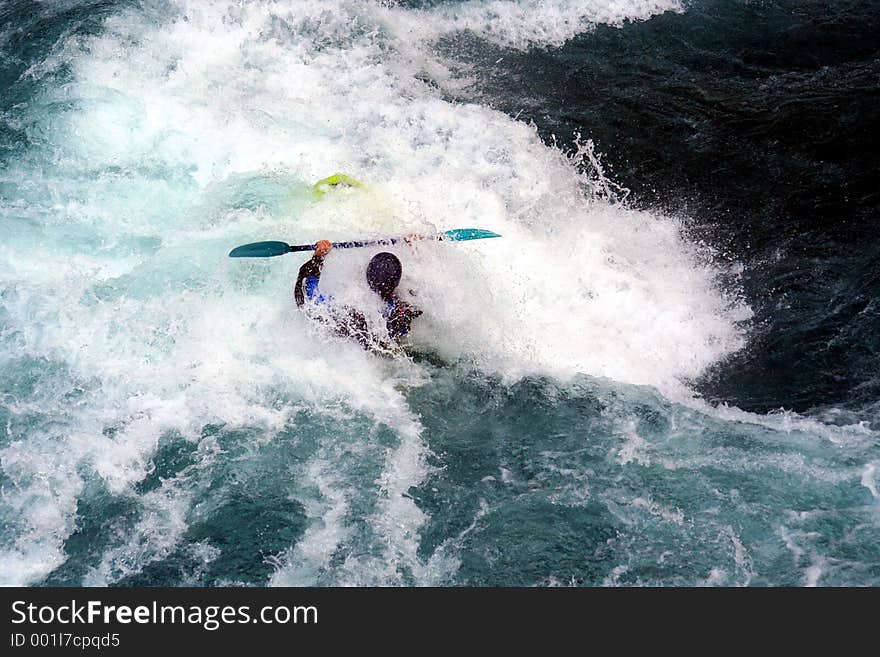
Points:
(322, 248)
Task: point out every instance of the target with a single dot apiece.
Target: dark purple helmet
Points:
(383, 273)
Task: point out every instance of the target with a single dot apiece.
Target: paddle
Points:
(270, 249)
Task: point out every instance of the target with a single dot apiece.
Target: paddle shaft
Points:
(275, 248)
(347, 245)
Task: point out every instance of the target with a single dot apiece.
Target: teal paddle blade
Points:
(260, 250)
(464, 234)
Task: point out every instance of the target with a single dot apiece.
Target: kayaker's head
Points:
(383, 274)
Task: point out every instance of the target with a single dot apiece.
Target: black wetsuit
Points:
(348, 321)
(310, 269)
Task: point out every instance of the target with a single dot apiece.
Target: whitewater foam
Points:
(528, 23)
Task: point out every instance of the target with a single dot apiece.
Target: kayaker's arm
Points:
(310, 273)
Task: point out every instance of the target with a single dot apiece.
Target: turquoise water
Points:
(170, 418)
